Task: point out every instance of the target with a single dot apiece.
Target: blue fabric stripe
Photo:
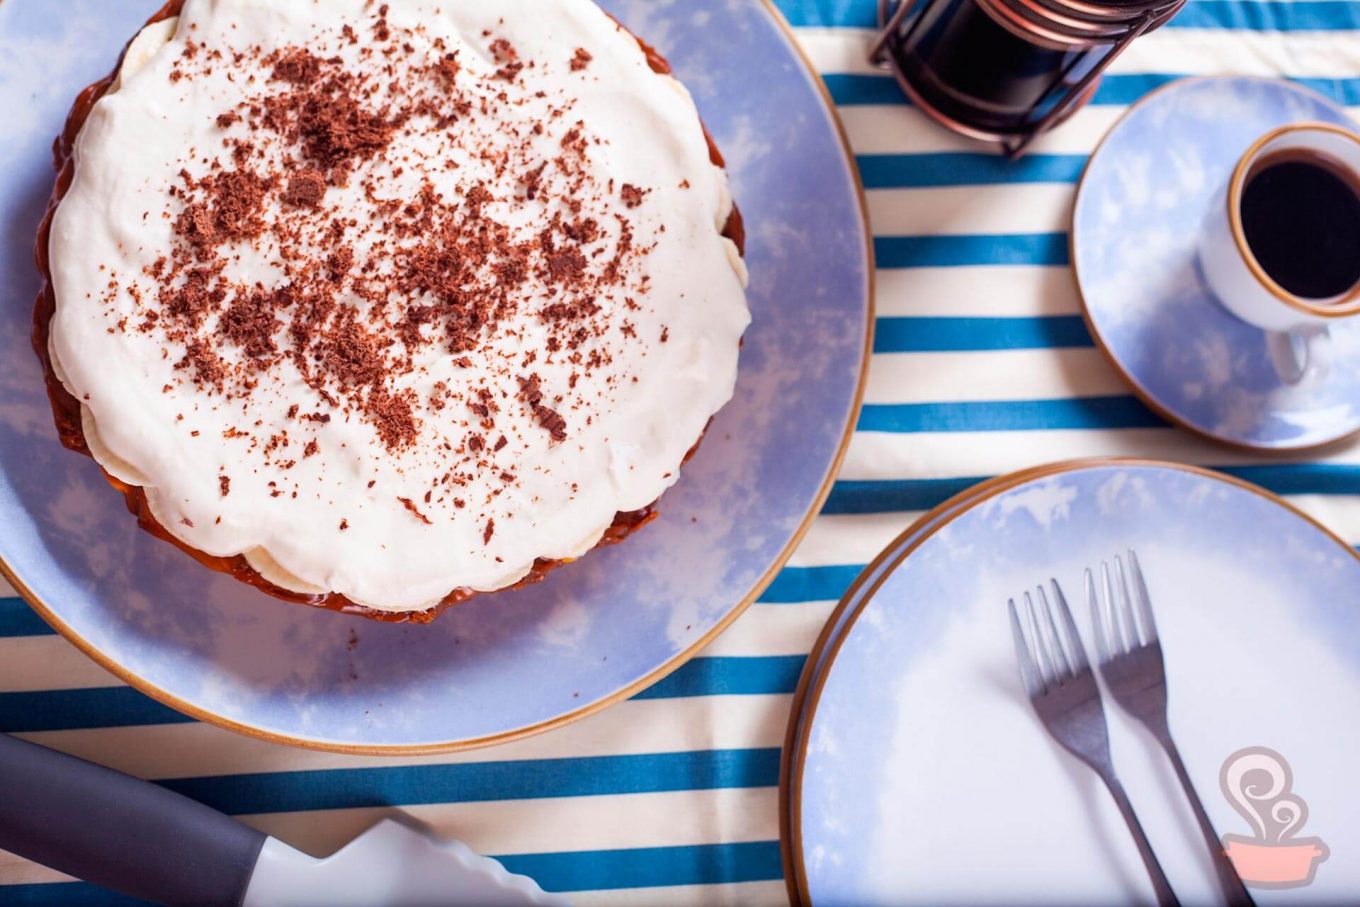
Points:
(120, 706)
(1125, 88)
(60, 710)
(810, 584)
(1300, 478)
(701, 864)
(18, 619)
(1255, 15)
(1009, 415)
(65, 894)
(858, 89)
(1285, 15)
(475, 782)
(587, 870)
(916, 171)
(893, 495)
(959, 250)
(851, 496)
(729, 675)
(948, 334)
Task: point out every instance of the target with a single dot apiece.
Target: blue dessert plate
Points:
(502, 665)
(1135, 230)
(919, 772)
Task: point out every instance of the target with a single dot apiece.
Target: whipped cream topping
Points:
(394, 299)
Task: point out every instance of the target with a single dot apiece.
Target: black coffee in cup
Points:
(1301, 218)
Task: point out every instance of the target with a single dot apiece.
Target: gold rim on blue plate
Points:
(814, 506)
(808, 693)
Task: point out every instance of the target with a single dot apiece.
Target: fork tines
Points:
(1063, 690)
(1121, 624)
(1046, 656)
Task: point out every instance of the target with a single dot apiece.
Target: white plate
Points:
(923, 776)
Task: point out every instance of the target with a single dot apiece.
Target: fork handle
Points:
(1228, 879)
(1165, 896)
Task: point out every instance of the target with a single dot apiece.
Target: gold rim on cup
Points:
(1349, 303)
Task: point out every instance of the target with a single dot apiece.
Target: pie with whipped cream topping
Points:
(378, 306)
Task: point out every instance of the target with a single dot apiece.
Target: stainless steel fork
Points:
(1063, 689)
(1130, 655)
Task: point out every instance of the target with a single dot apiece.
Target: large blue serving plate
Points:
(501, 665)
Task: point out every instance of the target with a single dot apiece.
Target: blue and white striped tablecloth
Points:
(981, 365)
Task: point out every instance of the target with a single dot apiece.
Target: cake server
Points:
(148, 842)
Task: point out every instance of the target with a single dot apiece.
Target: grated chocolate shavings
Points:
(632, 196)
(415, 289)
(231, 211)
(411, 506)
(298, 66)
(306, 188)
(446, 69)
(532, 394)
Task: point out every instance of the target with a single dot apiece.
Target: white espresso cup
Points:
(1297, 338)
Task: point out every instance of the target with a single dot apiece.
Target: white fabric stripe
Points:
(850, 539)
(631, 727)
(30, 663)
(548, 825)
(882, 129)
(18, 871)
(953, 210)
(1196, 51)
(1338, 513)
(739, 894)
(1040, 374)
(1013, 291)
(838, 50)
(1192, 51)
(895, 129)
(883, 455)
(774, 629)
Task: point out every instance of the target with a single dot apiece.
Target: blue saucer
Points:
(1135, 229)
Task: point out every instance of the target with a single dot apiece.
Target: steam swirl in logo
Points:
(1258, 784)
